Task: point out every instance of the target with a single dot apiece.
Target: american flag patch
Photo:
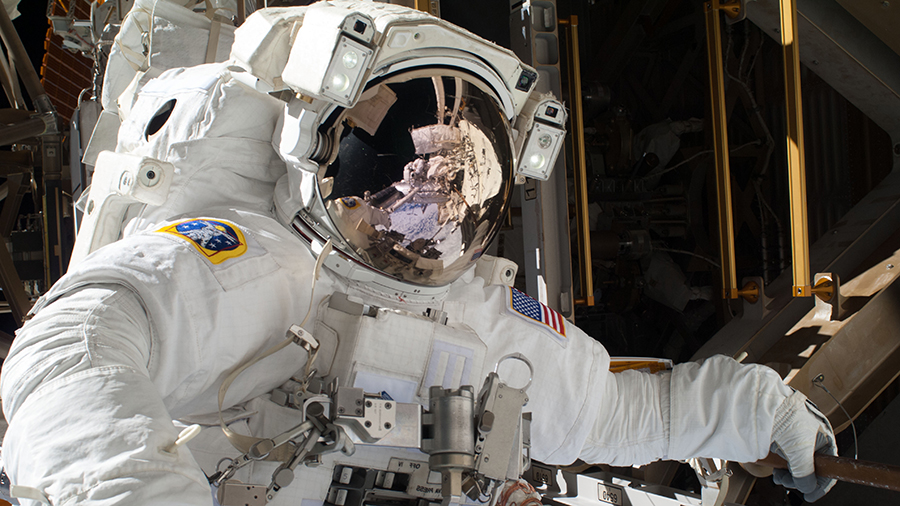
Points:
(535, 311)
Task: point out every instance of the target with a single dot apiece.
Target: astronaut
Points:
(183, 321)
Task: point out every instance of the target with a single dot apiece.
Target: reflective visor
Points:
(422, 176)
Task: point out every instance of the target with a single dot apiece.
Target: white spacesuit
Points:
(145, 330)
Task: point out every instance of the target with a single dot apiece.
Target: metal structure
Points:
(720, 145)
(796, 159)
(851, 349)
(34, 164)
(854, 358)
(579, 164)
(544, 232)
(873, 220)
(795, 153)
(42, 123)
(561, 488)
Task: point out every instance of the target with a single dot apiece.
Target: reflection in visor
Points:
(422, 177)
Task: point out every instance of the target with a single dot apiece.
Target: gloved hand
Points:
(801, 430)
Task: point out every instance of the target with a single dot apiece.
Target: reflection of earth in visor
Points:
(426, 163)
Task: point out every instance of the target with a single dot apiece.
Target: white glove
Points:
(801, 430)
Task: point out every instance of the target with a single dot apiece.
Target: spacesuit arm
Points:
(719, 409)
(87, 425)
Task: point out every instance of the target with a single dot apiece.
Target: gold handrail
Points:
(796, 163)
(720, 146)
(579, 162)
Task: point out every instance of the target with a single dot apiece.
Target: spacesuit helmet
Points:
(419, 174)
(404, 141)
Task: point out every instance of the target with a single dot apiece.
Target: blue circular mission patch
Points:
(216, 240)
(211, 235)
(349, 202)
